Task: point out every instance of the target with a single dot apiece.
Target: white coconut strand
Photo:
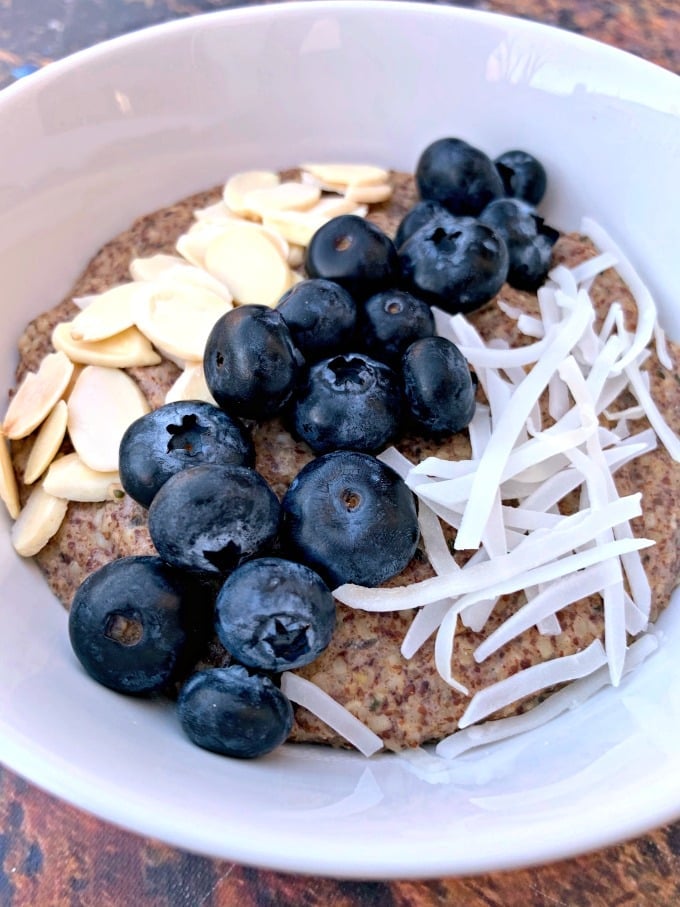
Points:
(539, 676)
(646, 308)
(569, 697)
(443, 651)
(488, 475)
(554, 597)
(663, 430)
(319, 703)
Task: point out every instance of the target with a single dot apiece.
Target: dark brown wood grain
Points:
(53, 855)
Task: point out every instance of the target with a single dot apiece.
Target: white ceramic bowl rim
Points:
(523, 802)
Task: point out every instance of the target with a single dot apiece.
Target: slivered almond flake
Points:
(336, 716)
(47, 443)
(108, 314)
(104, 402)
(347, 174)
(190, 385)
(39, 520)
(178, 318)
(288, 196)
(125, 350)
(240, 184)
(9, 490)
(68, 477)
(368, 195)
(37, 395)
(247, 262)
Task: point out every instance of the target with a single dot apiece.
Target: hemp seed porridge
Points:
(537, 564)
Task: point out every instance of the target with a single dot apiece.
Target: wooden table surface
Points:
(53, 855)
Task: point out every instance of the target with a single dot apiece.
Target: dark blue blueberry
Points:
(457, 175)
(349, 401)
(234, 713)
(523, 176)
(174, 437)
(251, 363)
(529, 240)
(353, 252)
(351, 518)
(275, 615)
(392, 320)
(129, 624)
(438, 386)
(419, 215)
(457, 267)
(321, 316)
(211, 518)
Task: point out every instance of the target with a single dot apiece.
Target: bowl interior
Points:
(139, 122)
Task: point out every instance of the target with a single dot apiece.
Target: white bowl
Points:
(120, 129)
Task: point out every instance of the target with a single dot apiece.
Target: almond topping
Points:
(47, 443)
(153, 266)
(190, 385)
(368, 195)
(40, 518)
(124, 350)
(284, 197)
(103, 403)
(36, 395)
(339, 175)
(240, 184)
(9, 490)
(178, 319)
(108, 314)
(247, 262)
(68, 477)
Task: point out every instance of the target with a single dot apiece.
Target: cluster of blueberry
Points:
(349, 357)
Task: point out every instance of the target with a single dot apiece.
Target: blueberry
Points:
(458, 267)
(321, 316)
(349, 401)
(275, 615)
(523, 176)
(129, 624)
(351, 518)
(529, 240)
(251, 363)
(354, 253)
(457, 175)
(438, 385)
(212, 517)
(233, 713)
(391, 321)
(176, 436)
(419, 215)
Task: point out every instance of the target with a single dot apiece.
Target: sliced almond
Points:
(108, 314)
(296, 256)
(47, 443)
(298, 227)
(68, 477)
(288, 196)
(192, 244)
(178, 318)
(9, 490)
(216, 212)
(249, 264)
(339, 175)
(191, 276)
(238, 186)
(103, 403)
(41, 517)
(124, 350)
(190, 385)
(368, 195)
(152, 266)
(37, 394)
